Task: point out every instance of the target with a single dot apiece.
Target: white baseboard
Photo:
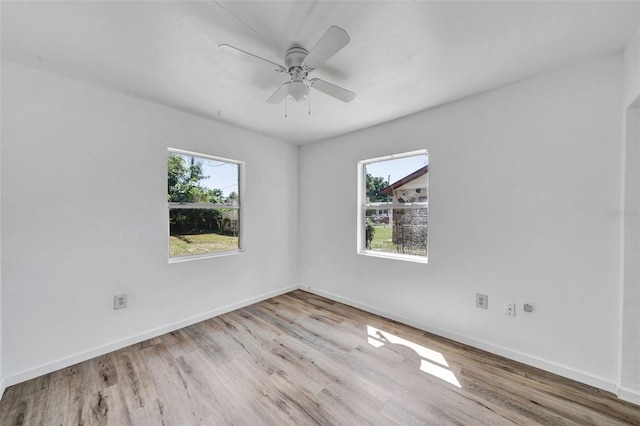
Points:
(561, 370)
(629, 395)
(114, 346)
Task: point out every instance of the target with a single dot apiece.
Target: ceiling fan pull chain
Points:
(285, 106)
(309, 101)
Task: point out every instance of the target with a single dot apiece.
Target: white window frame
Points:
(176, 205)
(363, 206)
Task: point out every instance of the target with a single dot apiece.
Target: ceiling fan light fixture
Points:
(297, 91)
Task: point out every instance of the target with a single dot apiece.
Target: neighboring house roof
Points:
(389, 189)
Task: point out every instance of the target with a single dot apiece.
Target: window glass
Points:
(395, 204)
(204, 204)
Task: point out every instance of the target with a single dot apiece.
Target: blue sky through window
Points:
(221, 175)
(397, 168)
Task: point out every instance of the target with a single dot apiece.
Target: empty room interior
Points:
(289, 212)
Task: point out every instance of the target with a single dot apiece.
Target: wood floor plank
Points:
(174, 394)
(106, 407)
(178, 343)
(301, 359)
(69, 389)
(27, 404)
(26, 410)
(301, 406)
(135, 378)
(151, 414)
(101, 372)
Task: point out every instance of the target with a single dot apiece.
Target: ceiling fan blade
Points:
(331, 42)
(279, 94)
(332, 90)
(239, 52)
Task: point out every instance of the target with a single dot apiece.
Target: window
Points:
(204, 205)
(393, 206)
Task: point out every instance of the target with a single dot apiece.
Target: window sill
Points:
(395, 256)
(179, 259)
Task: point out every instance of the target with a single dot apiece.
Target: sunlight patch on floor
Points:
(431, 362)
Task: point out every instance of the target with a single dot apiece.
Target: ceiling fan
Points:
(299, 63)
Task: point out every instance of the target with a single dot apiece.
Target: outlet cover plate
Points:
(510, 309)
(482, 301)
(120, 301)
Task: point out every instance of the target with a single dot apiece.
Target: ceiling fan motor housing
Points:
(294, 57)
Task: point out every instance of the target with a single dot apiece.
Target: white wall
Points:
(84, 217)
(632, 69)
(630, 343)
(521, 180)
(2, 381)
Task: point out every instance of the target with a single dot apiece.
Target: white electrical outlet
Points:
(120, 301)
(482, 301)
(510, 309)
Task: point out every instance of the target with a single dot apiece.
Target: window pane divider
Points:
(174, 205)
(394, 206)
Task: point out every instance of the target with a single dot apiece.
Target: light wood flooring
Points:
(300, 359)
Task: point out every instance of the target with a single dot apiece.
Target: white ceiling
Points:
(403, 57)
